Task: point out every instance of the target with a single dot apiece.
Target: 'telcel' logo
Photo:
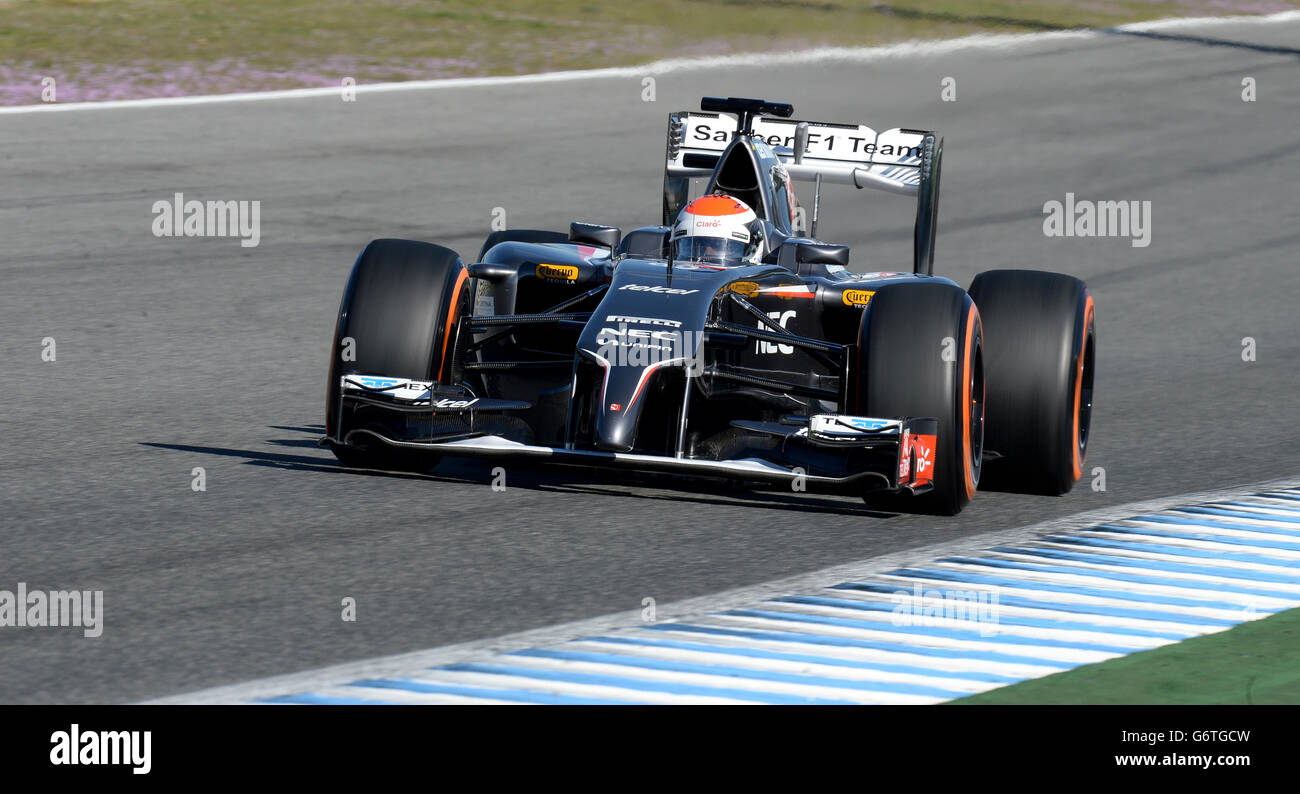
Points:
(659, 290)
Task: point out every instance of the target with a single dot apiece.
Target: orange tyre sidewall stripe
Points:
(1078, 388)
(968, 469)
(451, 319)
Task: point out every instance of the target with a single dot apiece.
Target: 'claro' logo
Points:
(558, 272)
(747, 288)
(857, 297)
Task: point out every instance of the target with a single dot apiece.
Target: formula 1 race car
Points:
(771, 364)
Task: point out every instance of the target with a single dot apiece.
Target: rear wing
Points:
(898, 160)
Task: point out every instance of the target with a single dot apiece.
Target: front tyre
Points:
(920, 353)
(397, 318)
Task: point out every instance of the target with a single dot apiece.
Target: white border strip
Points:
(403, 664)
(817, 55)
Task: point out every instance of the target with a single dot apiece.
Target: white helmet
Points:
(718, 229)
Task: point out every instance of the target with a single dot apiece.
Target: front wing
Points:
(821, 453)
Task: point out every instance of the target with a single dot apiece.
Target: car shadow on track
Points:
(566, 479)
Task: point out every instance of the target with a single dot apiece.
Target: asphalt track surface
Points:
(184, 352)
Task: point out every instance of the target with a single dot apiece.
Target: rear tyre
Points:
(1041, 360)
(920, 353)
(396, 319)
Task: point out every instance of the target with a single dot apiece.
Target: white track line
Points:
(1005, 592)
(564, 688)
(906, 49)
(969, 639)
(414, 698)
(633, 673)
(956, 665)
(1026, 583)
(1139, 555)
(827, 669)
(1097, 634)
(1206, 543)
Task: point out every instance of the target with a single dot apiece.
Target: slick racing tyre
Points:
(1040, 361)
(920, 349)
(396, 319)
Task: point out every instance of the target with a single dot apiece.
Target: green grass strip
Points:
(1255, 663)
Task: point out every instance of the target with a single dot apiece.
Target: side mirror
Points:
(800, 141)
(650, 242)
(595, 234)
(821, 254)
(795, 252)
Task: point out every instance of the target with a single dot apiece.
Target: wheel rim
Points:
(1085, 395)
(975, 410)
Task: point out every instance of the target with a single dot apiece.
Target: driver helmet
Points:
(718, 229)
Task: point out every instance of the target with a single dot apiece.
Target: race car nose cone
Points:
(613, 437)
